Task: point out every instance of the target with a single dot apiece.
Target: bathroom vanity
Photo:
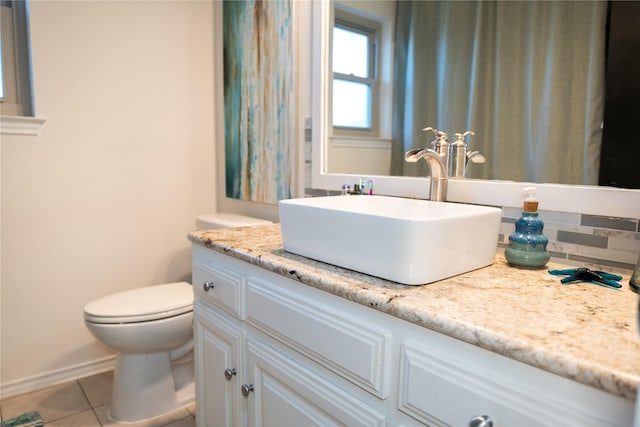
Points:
(284, 340)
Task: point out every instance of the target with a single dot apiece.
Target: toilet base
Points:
(144, 386)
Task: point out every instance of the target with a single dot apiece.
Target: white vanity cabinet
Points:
(247, 371)
(272, 351)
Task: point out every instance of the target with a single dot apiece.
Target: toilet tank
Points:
(226, 220)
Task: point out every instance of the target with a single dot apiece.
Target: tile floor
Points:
(83, 403)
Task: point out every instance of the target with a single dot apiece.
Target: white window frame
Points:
(16, 106)
(9, 97)
(356, 23)
(15, 61)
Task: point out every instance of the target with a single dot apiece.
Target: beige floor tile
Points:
(83, 419)
(185, 422)
(98, 388)
(52, 403)
(160, 421)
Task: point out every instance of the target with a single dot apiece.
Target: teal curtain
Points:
(258, 100)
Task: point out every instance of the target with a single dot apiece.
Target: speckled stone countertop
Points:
(584, 332)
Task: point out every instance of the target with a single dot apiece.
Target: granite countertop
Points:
(584, 332)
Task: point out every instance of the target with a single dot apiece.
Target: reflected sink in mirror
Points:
(409, 241)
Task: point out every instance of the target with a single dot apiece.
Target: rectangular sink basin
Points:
(408, 241)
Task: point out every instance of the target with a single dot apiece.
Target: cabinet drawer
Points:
(220, 286)
(438, 388)
(436, 393)
(341, 343)
(287, 393)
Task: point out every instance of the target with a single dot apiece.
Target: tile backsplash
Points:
(583, 240)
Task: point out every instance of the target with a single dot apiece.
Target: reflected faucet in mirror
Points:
(461, 156)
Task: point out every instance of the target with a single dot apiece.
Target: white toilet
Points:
(151, 330)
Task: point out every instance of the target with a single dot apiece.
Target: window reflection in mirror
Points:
(361, 88)
(355, 87)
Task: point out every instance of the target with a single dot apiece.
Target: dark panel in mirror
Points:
(621, 138)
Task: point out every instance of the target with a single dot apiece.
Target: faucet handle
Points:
(460, 137)
(436, 132)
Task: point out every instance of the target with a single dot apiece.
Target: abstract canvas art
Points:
(258, 101)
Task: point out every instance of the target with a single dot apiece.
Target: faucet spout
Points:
(439, 177)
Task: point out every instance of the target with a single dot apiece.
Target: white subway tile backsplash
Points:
(514, 213)
(505, 230)
(308, 153)
(626, 244)
(307, 176)
(598, 242)
(600, 264)
(608, 255)
(626, 224)
(568, 218)
(582, 239)
(616, 233)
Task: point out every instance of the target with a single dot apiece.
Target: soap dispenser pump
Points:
(527, 245)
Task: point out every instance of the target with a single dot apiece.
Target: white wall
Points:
(103, 198)
(358, 156)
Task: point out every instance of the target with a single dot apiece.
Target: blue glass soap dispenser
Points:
(527, 245)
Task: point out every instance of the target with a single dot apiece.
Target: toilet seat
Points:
(142, 304)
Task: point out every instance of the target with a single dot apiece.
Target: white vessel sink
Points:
(404, 240)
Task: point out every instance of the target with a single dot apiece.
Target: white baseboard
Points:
(58, 376)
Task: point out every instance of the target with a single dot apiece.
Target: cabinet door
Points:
(286, 393)
(218, 349)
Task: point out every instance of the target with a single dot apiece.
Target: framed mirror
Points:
(503, 192)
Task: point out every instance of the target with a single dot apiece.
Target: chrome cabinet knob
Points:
(246, 389)
(481, 421)
(208, 285)
(229, 373)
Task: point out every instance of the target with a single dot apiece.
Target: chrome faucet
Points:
(439, 177)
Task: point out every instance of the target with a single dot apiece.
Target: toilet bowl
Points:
(145, 326)
(151, 330)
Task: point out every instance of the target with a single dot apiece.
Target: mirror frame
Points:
(585, 199)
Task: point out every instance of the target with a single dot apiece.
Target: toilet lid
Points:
(143, 304)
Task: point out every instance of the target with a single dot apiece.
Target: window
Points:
(15, 86)
(355, 88)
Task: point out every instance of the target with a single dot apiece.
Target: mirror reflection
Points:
(526, 77)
